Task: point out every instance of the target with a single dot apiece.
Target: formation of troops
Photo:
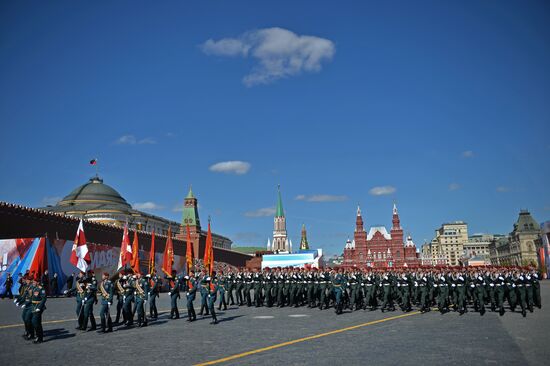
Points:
(128, 297)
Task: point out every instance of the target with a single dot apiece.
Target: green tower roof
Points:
(190, 194)
(280, 212)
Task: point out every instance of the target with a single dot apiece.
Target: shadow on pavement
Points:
(56, 334)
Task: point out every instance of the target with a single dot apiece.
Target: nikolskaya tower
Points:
(280, 237)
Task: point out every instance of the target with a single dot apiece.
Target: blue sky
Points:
(445, 104)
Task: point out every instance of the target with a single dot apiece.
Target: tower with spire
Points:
(280, 239)
(190, 218)
(304, 245)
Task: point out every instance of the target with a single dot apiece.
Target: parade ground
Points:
(289, 336)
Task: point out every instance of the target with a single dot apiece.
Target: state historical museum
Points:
(378, 248)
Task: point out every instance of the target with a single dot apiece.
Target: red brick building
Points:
(379, 248)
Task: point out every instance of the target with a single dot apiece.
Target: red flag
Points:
(39, 263)
(80, 256)
(189, 251)
(152, 253)
(135, 254)
(209, 251)
(125, 249)
(168, 257)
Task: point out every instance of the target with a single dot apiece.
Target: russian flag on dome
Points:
(80, 256)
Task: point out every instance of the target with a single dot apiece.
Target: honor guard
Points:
(106, 290)
(191, 290)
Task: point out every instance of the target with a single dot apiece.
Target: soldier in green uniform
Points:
(38, 306)
(204, 283)
(174, 293)
(191, 290)
(258, 281)
(106, 290)
(535, 276)
(422, 283)
(440, 281)
(248, 282)
(141, 295)
(510, 290)
(337, 288)
(386, 288)
(519, 281)
(239, 285)
(211, 297)
(370, 291)
(223, 286)
(281, 283)
(128, 298)
(403, 282)
(154, 290)
(268, 287)
(89, 300)
(231, 285)
(499, 284)
(79, 292)
(479, 292)
(119, 291)
(324, 284)
(25, 301)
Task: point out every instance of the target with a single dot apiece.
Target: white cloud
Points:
(261, 212)
(148, 141)
(468, 154)
(321, 198)
(132, 140)
(231, 167)
(127, 140)
(50, 201)
(382, 190)
(454, 186)
(279, 53)
(151, 206)
(502, 189)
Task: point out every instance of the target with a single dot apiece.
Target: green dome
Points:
(94, 192)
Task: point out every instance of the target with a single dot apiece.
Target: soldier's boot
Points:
(103, 325)
(189, 316)
(176, 313)
(501, 310)
(92, 322)
(482, 310)
(214, 319)
(193, 314)
(109, 325)
(523, 312)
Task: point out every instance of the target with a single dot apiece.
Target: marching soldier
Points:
(204, 293)
(268, 287)
(154, 290)
(174, 293)
(337, 288)
(119, 290)
(257, 280)
(25, 301)
(88, 303)
(231, 286)
(141, 295)
(38, 306)
(128, 298)
(212, 292)
(106, 290)
(223, 286)
(191, 290)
